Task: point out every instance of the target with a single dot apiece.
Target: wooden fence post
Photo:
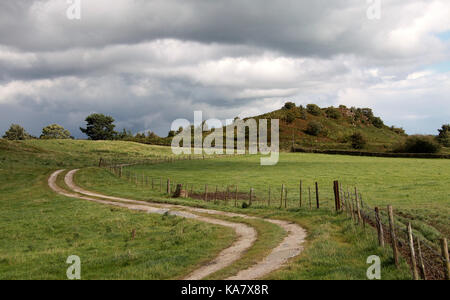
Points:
(413, 253)
(444, 248)
(160, 184)
(120, 172)
(421, 263)
(206, 192)
(251, 196)
(270, 195)
(236, 196)
(317, 195)
(281, 198)
(393, 235)
(379, 227)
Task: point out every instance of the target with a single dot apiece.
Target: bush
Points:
(419, 144)
(314, 109)
(333, 113)
(55, 131)
(377, 122)
(314, 128)
(289, 105)
(16, 133)
(358, 141)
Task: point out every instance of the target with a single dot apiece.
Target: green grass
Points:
(415, 187)
(40, 229)
(335, 248)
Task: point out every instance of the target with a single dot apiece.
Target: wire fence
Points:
(426, 261)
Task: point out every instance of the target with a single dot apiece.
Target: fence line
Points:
(425, 260)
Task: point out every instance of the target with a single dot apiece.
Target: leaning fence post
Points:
(393, 236)
(413, 253)
(421, 263)
(444, 248)
(379, 227)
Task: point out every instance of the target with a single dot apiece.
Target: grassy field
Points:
(335, 248)
(415, 187)
(40, 229)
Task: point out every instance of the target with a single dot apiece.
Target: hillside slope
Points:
(337, 125)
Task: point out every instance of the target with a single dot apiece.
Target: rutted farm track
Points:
(290, 247)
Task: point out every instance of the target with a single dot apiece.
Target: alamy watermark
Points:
(74, 270)
(374, 271)
(239, 135)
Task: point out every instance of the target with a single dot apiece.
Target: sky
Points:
(150, 62)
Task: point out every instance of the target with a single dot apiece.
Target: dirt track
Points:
(290, 247)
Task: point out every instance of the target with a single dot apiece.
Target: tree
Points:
(16, 133)
(289, 105)
(358, 140)
(444, 135)
(55, 131)
(314, 128)
(99, 127)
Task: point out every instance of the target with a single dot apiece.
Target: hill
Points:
(313, 127)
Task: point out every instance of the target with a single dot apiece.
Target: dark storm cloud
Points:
(150, 62)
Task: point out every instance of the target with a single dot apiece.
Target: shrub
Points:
(419, 144)
(377, 122)
(289, 105)
(333, 113)
(55, 131)
(314, 128)
(16, 133)
(314, 109)
(358, 141)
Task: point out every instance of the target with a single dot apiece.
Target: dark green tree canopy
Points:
(55, 131)
(16, 133)
(99, 127)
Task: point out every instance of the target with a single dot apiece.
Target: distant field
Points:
(417, 187)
